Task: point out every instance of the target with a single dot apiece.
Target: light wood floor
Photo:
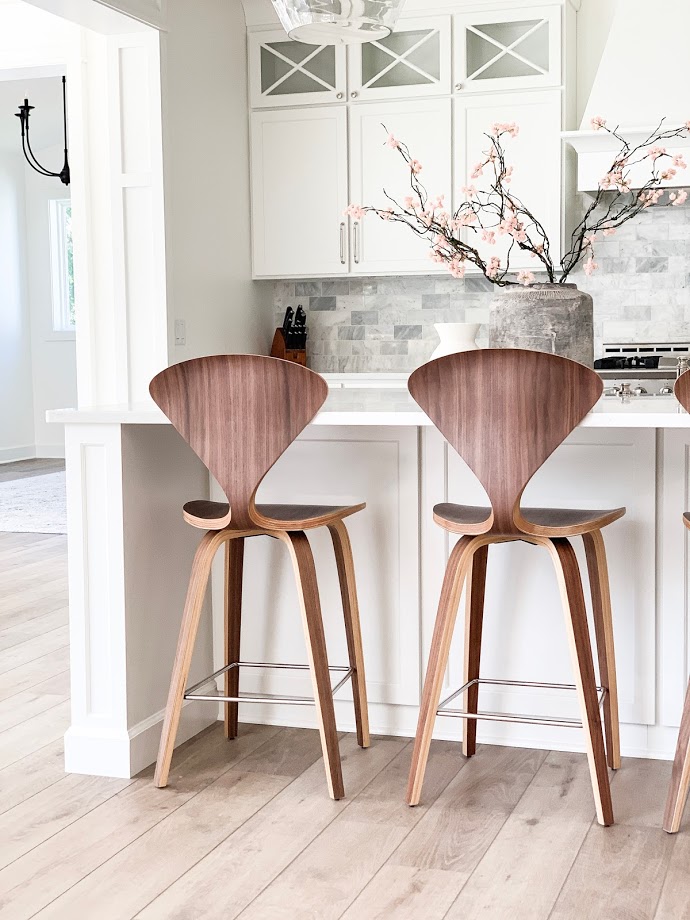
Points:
(246, 829)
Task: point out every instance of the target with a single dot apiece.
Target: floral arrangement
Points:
(494, 211)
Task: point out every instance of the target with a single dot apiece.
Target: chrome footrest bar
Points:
(191, 694)
(509, 716)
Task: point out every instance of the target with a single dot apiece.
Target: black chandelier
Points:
(23, 116)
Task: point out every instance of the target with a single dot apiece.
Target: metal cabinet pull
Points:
(342, 244)
(356, 241)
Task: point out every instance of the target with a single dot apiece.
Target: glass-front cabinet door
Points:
(285, 72)
(508, 50)
(414, 60)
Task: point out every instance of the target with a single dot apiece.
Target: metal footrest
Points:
(508, 716)
(191, 694)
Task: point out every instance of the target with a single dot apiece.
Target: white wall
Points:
(54, 368)
(594, 20)
(16, 401)
(206, 158)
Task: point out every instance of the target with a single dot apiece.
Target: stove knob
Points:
(666, 391)
(612, 391)
(640, 391)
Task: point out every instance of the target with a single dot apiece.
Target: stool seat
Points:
(686, 518)
(548, 522)
(216, 515)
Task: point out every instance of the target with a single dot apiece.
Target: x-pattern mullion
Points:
(507, 49)
(296, 67)
(398, 58)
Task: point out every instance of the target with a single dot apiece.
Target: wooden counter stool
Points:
(505, 411)
(680, 778)
(239, 413)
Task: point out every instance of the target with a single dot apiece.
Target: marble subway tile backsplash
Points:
(641, 292)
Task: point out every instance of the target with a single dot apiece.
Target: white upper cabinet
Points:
(284, 72)
(535, 155)
(508, 49)
(299, 192)
(425, 126)
(415, 60)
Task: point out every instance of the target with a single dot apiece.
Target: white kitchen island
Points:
(130, 553)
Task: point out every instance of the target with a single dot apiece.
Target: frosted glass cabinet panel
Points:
(511, 49)
(535, 155)
(284, 72)
(413, 61)
(299, 192)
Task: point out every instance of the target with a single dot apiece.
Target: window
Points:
(62, 265)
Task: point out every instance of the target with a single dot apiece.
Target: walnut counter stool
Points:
(239, 413)
(505, 411)
(680, 778)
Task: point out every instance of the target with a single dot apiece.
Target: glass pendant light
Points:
(334, 22)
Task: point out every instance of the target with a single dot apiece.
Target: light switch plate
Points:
(180, 332)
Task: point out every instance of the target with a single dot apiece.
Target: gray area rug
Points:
(35, 504)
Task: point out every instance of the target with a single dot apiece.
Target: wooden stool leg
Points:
(456, 572)
(474, 615)
(570, 585)
(196, 591)
(680, 778)
(234, 564)
(603, 627)
(348, 591)
(307, 587)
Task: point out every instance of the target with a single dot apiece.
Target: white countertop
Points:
(394, 406)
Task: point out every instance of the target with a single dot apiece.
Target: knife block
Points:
(280, 350)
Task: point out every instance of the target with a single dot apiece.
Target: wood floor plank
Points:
(249, 859)
(37, 626)
(28, 675)
(674, 903)
(526, 865)
(33, 734)
(93, 868)
(32, 649)
(405, 893)
(327, 876)
(30, 775)
(29, 703)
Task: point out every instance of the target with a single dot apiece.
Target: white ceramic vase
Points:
(455, 337)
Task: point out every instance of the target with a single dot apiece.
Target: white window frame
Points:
(61, 326)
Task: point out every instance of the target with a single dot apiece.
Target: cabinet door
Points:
(299, 192)
(535, 155)
(339, 466)
(285, 72)
(518, 49)
(415, 60)
(424, 125)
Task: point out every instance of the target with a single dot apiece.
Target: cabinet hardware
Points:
(339, 96)
(353, 95)
(356, 241)
(458, 86)
(342, 243)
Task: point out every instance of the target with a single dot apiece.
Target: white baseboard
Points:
(124, 754)
(50, 451)
(13, 454)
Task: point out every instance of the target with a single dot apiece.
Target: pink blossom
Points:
(438, 201)
(519, 235)
(494, 267)
(488, 236)
(681, 197)
(469, 190)
(598, 122)
(590, 266)
(525, 277)
(609, 231)
(436, 256)
(387, 214)
(668, 174)
(507, 175)
(393, 142)
(355, 211)
(415, 166)
(478, 170)
(687, 125)
(456, 267)
(466, 219)
(656, 152)
(409, 203)
(679, 161)
(508, 225)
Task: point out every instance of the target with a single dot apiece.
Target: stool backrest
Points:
(682, 390)
(505, 411)
(239, 413)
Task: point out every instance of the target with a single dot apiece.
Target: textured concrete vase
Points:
(556, 318)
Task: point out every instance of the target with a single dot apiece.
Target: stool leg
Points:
(234, 564)
(603, 628)
(680, 778)
(307, 587)
(456, 572)
(348, 591)
(198, 580)
(570, 585)
(474, 615)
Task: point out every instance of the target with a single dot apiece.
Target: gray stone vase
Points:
(556, 318)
